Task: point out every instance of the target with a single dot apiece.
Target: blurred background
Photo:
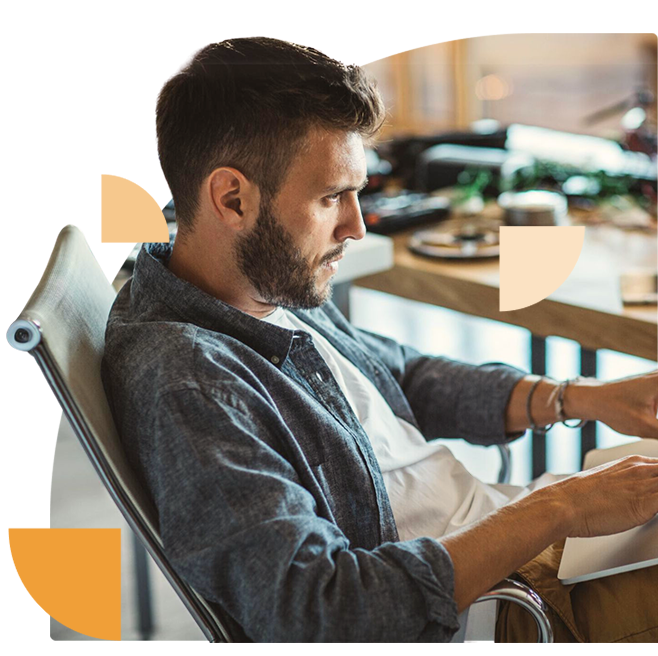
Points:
(569, 114)
(560, 81)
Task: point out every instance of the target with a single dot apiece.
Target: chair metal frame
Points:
(210, 625)
(25, 334)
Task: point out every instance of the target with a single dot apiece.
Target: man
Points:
(260, 420)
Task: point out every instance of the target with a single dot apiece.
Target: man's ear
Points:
(233, 198)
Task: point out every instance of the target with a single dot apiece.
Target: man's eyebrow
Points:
(334, 189)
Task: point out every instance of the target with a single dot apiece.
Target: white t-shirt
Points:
(431, 492)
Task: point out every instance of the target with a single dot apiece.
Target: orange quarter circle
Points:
(74, 575)
(129, 214)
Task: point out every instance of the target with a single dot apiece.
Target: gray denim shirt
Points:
(271, 502)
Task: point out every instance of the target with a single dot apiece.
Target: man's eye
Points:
(334, 197)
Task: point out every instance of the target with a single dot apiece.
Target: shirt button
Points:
(275, 359)
(317, 373)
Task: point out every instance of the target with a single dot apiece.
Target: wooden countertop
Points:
(586, 308)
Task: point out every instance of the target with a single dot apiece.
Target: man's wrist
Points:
(554, 504)
(582, 398)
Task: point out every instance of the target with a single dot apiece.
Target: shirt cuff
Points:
(429, 564)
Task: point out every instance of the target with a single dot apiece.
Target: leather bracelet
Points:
(540, 430)
(559, 404)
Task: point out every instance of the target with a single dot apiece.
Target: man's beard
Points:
(275, 266)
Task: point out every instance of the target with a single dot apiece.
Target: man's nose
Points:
(351, 225)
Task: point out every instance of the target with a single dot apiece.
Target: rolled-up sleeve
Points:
(450, 399)
(239, 526)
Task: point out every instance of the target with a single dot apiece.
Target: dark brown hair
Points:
(248, 103)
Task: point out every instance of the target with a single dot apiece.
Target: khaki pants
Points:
(620, 608)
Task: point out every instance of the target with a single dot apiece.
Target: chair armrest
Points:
(527, 598)
(505, 463)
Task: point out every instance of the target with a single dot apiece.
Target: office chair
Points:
(63, 327)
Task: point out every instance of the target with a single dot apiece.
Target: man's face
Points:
(292, 251)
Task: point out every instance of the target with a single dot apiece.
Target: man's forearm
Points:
(604, 500)
(491, 549)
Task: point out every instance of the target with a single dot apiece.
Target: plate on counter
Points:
(459, 239)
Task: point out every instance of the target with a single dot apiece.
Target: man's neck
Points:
(214, 272)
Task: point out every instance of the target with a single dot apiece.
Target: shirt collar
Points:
(155, 286)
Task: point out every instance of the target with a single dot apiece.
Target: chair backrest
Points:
(63, 327)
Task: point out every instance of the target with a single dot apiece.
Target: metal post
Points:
(538, 366)
(588, 367)
(142, 589)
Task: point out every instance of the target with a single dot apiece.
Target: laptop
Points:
(585, 559)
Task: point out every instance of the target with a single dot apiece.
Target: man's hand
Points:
(603, 500)
(628, 405)
(611, 498)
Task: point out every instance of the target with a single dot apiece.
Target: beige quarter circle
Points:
(129, 214)
(535, 261)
